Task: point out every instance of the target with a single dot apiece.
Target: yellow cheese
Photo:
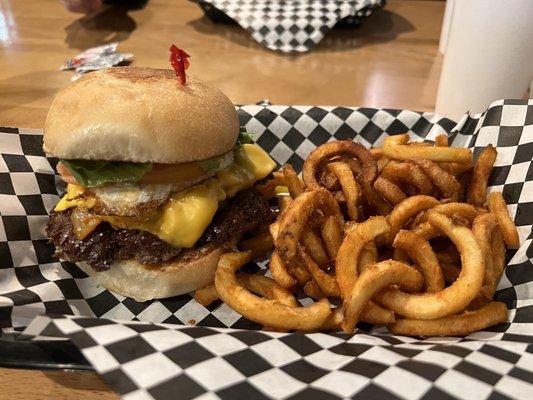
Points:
(216, 188)
(256, 160)
(252, 163)
(183, 220)
(235, 178)
(186, 216)
(72, 199)
(281, 190)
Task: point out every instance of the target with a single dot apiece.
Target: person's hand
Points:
(82, 6)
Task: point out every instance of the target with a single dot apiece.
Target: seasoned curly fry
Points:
(321, 155)
(266, 287)
(334, 321)
(498, 207)
(477, 191)
(450, 272)
(377, 277)
(408, 173)
(427, 231)
(329, 180)
(456, 325)
(452, 210)
(377, 152)
(444, 181)
(394, 147)
(411, 255)
(498, 257)
(382, 162)
(455, 297)
(294, 219)
(314, 245)
(442, 140)
(349, 186)
(264, 311)
(332, 236)
(312, 289)
(351, 247)
(268, 189)
(325, 282)
(421, 252)
(373, 200)
(406, 210)
(258, 284)
(389, 191)
(206, 296)
(279, 272)
(368, 257)
(292, 181)
(483, 228)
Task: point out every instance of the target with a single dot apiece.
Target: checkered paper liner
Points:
(162, 356)
(292, 25)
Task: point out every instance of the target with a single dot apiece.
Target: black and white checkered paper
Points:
(292, 25)
(155, 352)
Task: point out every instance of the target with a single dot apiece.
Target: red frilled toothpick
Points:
(179, 61)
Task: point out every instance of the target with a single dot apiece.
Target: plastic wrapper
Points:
(96, 58)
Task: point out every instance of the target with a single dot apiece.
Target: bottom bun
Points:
(193, 270)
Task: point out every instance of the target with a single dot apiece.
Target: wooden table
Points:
(391, 61)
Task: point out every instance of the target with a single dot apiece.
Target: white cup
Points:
(488, 55)
(445, 30)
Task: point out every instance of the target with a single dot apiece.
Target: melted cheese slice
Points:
(73, 199)
(183, 220)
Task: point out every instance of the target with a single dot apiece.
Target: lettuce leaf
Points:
(219, 162)
(226, 159)
(245, 137)
(94, 173)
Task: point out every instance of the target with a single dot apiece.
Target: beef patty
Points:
(246, 211)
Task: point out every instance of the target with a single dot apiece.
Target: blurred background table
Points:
(391, 61)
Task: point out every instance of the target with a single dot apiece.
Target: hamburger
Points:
(160, 180)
